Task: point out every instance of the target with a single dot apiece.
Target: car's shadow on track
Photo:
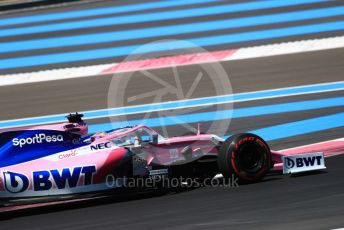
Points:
(105, 199)
(302, 174)
(95, 201)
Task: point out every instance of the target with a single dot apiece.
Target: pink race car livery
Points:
(63, 159)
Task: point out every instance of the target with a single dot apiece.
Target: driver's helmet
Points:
(97, 136)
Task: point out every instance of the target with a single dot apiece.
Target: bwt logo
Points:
(15, 182)
(302, 161)
(44, 180)
(37, 139)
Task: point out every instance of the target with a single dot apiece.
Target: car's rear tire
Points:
(246, 156)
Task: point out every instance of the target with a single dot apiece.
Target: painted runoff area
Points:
(97, 12)
(180, 60)
(126, 35)
(73, 56)
(137, 18)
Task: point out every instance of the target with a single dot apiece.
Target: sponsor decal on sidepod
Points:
(37, 139)
(101, 146)
(44, 180)
(70, 154)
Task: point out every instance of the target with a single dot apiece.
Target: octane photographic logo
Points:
(153, 88)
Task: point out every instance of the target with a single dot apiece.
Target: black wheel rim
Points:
(251, 157)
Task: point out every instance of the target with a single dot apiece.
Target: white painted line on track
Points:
(303, 146)
(288, 48)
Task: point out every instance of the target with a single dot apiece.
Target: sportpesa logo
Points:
(37, 139)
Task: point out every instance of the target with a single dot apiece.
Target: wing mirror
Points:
(154, 139)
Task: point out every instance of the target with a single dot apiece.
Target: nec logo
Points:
(302, 161)
(101, 146)
(45, 180)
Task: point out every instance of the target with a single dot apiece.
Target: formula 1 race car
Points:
(63, 159)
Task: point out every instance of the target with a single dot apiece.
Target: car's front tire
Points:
(246, 156)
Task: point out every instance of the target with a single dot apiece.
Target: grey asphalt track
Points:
(280, 202)
(313, 201)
